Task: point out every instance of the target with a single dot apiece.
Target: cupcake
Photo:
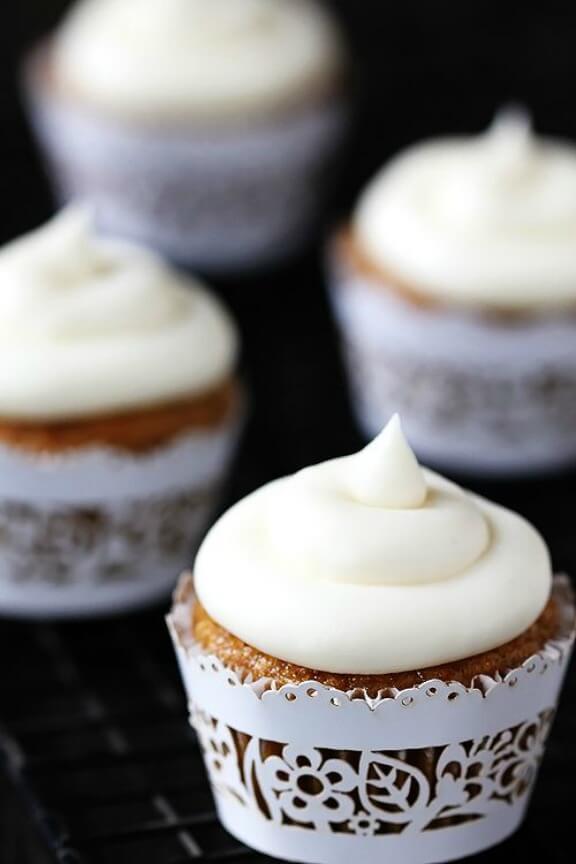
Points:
(454, 286)
(373, 657)
(204, 128)
(119, 411)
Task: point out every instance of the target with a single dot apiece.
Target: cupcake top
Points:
(89, 326)
(369, 564)
(197, 57)
(479, 221)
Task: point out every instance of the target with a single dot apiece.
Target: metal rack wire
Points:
(100, 744)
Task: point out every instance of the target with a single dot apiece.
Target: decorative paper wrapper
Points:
(234, 197)
(309, 773)
(95, 530)
(475, 393)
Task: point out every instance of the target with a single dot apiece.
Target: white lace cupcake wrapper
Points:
(313, 774)
(474, 393)
(220, 200)
(93, 531)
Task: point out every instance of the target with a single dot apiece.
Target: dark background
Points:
(99, 765)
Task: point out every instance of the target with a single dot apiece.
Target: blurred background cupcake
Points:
(454, 286)
(204, 128)
(119, 412)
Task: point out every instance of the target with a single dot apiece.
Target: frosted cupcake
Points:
(205, 128)
(455, 289)
(373, 657)
(118, 417)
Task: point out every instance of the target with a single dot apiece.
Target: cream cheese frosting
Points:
(89, 325)
(370, 564)
(199, 57)
(486, 220)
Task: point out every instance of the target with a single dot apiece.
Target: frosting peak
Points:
(386, 473)
(89, 325)
(492, 218)
(370, 564)
(510, 139)
(375, 518)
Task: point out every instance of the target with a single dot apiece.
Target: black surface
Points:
(100, 766)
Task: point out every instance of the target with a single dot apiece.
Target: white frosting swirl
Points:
(480, 221)
(199, 57)
(369, 564)
(89, 325)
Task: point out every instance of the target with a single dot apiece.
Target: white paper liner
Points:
(312, 774)
(234, 198)
(474, 394)
(93, 531)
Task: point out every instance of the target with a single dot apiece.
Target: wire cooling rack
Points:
(104, 768)
(98, 747)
